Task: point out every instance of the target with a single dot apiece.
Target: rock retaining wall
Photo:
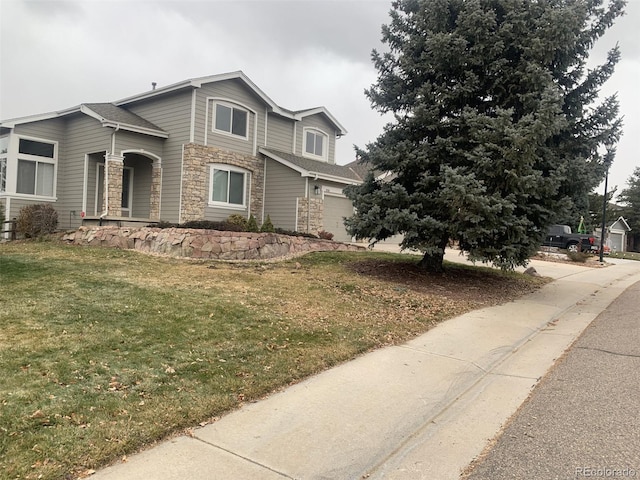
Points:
(209, 244)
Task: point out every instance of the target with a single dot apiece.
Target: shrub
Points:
(201, 224)
(239, 220)
(325, 235)
(291, 233)
(37, 220)
(267, 226)
(210, 225)
(163, 224)
(580, 257)
(252, 224)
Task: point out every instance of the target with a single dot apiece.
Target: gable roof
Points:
(622, 222)
(313, 168)
(111, 115)
(237, 75)
(185, 84)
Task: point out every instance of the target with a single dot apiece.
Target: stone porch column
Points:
(114, 165)
(156, 191)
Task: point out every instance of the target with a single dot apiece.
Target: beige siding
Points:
(17, 203)
(77, 135)
(218, 214)
(84, 136)
(320, 122)
(231, 91)
(141, 193)
(283, 187)
(172, 113)
(280, 133)
(46, 129)
(92, 167)
(136, 141)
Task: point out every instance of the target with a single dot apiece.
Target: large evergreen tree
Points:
(630, 199)
(496, 129)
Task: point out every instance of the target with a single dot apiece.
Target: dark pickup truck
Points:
(560, 236)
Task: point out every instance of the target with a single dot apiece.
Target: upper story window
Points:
(228, 186)
(230, 119)
(316, 144)
(36, 167)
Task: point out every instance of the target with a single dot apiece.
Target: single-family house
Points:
(200, 149)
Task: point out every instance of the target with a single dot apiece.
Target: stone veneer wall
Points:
(207, 244)
(314, 218)
(196, 161)
(113, 184)
(155, 194)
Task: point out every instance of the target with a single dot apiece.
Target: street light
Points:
(611, 152)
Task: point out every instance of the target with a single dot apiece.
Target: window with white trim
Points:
(228, 186)
(316, 144)
(36, 167)
(4, 148)
(230, 119)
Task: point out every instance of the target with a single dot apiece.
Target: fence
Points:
(8, 229)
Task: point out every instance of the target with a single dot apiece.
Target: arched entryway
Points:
(132, 187)
(140, 185)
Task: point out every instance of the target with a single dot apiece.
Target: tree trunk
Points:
(432, 263)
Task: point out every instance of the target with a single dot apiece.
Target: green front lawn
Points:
(103, 352)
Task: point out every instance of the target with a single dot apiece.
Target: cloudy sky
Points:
(302, 53)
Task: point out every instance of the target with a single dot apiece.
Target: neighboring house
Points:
(199, 149)
(618, 235)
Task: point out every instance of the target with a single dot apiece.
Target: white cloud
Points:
(302, 53)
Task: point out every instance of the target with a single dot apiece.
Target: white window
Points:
(3, 175)
(316, 144)
(230, 119)
(36, 167)
(4, 148)
(228, 186)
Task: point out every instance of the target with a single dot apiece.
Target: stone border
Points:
(203, 244)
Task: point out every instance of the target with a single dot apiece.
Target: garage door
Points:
(615, 242)
(335, 209)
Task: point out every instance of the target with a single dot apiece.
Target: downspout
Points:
(308, 207)
(264, 187)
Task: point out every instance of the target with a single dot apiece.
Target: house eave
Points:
(12, 122)
(313, 111)
(309, 173)
(332, 178)
(135, 129)
(122, 126)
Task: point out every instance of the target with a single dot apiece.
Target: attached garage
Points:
(336, 208)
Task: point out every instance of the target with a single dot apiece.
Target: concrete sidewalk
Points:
(582, 419)
(422, 410)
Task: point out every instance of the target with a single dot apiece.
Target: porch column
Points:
(113, 184)
(156, 190)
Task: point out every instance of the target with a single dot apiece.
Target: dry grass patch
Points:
(105, 351)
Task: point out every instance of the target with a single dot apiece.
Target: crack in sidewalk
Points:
(282, 474)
